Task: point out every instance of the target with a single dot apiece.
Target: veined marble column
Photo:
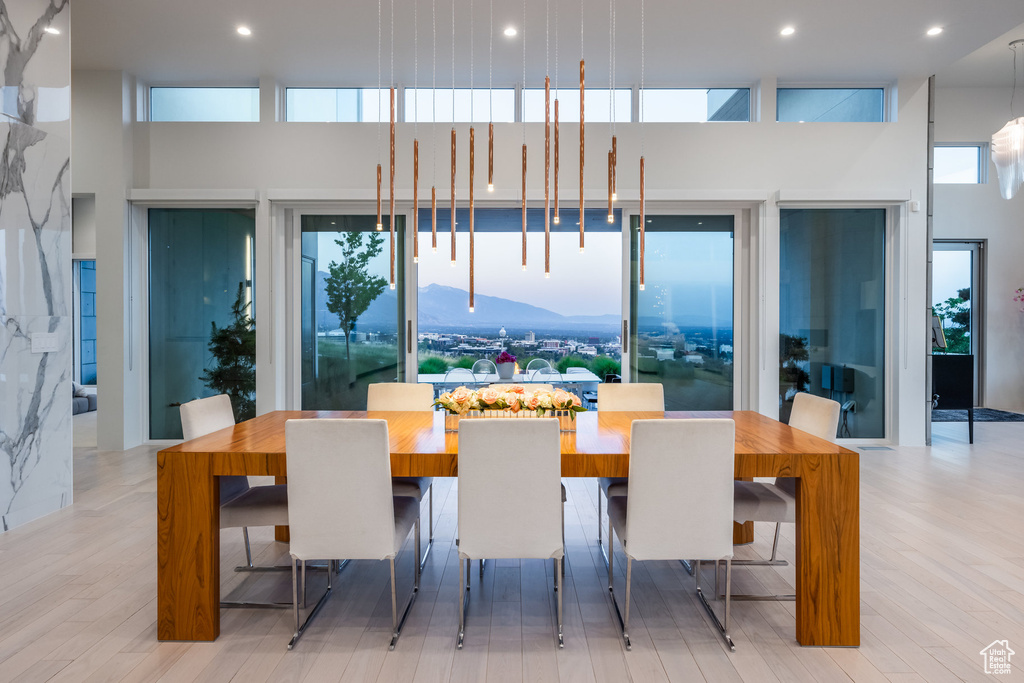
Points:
(35, 260)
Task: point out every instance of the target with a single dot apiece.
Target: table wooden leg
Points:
(828, 552)
(743, 534)
(188, 548)
(281, 533)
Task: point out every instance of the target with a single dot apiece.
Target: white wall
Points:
(719, 162)
(102, 115)
(978, 212)
(83, 227)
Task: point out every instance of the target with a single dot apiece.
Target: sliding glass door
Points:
(681, 322)
(201, 336)
(832, 313)
(351, 331)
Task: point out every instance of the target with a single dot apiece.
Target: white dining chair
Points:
(341, 506)
(509, 497)
(678, 504)
(645, 396)
(776, 502)
(241, 505)
(407, 397)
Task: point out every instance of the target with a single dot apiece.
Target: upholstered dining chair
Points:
(509, 499)
(763, 502)
(531, 387)
(678, 503)
(241, 505)
(413, 398)
(356, 481)
(646, 396)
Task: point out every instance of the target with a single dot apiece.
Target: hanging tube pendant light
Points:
(380, 225)
(615, 170)
(524, 207)
(391, 197)
(556, 219)
(547, 176)
(453, 195)
(472, 163)
(643, 222)
(415, 201)
(490, 157)
(582, 142)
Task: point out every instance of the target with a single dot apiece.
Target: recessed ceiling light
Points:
(511, 31)
(244, 31)
(51, 30)
(935, 30)
(788, 31)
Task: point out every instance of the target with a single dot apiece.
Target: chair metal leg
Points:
(558, 581)
(771, 562)
(396, 624)
(605, 554)
(623, 622)
(463, 575)
(722, 628)
(248, 550)
(430, 539)
(299, 630)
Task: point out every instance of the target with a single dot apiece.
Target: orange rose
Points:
(517, 388)
(576, 400)
(533, 401)
(489, 395)
(462, 395)
(560, 398)
(512, 401)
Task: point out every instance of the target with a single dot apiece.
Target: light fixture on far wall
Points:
(1008, 143)
(787, 31)
(934, 30)
(242, 31)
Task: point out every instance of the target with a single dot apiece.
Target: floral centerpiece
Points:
(506, 364)
(510, 400)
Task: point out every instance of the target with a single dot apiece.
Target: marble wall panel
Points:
(35, 260)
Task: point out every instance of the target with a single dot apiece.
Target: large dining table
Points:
(827, 561)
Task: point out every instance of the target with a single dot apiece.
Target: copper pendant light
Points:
(582, 147)
(643, 222)
(524, 206)
(556, 219)
(472, 163)
(391, 197)
(453, 195)
(490, 157)
(380, 224)
(415, 201)
(547, 176)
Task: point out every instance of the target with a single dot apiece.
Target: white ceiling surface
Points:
(321, 42)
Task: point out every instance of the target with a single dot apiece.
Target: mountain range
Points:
(446, 309)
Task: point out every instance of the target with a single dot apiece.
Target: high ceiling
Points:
(315, 42)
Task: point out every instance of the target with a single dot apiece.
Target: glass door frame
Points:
(978, 270)
(292, 220)
(747, 286)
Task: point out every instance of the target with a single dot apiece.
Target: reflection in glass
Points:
(682, 322)
(832, 313)
(570, 319)
(849, 105)
(694, 105)
(351, 335)
(198, 260)
(204, 104)
(87, 322)
(951, 297)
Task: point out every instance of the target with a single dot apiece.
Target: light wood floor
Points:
(942, 565)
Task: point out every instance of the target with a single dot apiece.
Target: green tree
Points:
(350, 287)
(955, 314)
(234, 351)
(572, 361)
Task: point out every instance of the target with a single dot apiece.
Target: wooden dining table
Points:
(827, 558)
